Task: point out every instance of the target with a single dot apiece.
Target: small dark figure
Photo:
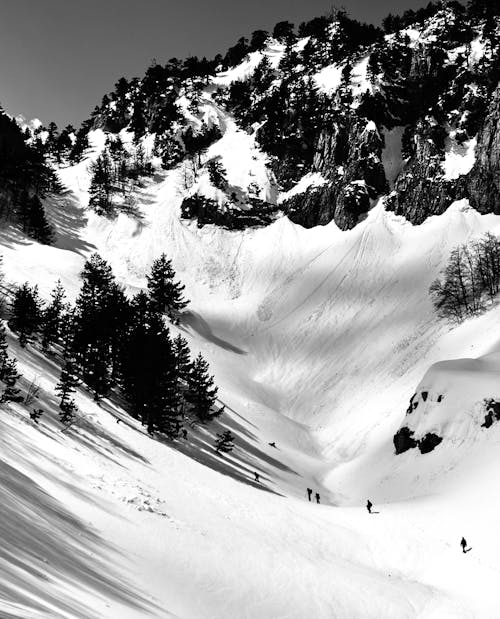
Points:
(369, 506)
(118, 420)
(463, 543)
(36, 414)
(273, 444)
(184, 434)
(309, 493)
(257, 477)
(317, 497)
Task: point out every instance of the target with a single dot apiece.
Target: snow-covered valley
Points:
(317, 339)
(311, 189)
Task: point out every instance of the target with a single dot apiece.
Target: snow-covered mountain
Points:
(317, 335)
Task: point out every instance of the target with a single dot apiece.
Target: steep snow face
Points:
(459, 157)
(317, 339)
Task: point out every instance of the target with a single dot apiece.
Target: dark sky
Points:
(58, 57)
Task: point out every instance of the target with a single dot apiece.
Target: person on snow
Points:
(273, 444)
(309, 493)
(317, 497)
(369, 506)
(463, 543)
(257, 477)
(184, 434)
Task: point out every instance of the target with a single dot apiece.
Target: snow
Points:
(313, 179)
(329, 78)
(454, 407)
(317, 339)
(459, 158)
(478, 50)
(273, 52)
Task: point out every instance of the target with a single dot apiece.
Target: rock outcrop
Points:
(349, 158)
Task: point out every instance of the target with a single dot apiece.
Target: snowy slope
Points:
(317, 339)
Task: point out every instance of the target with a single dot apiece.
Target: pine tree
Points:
(217, 174)
(224, 442)
(52, 317)
(165, 294)
(10, 377)
(64, 388)
(101, 187)
(3, 350)
(201, 393)
(38, 226)
(182, 358)
(25, 315)
(95, 324)
(148, 370)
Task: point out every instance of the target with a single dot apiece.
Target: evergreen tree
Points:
(101, 187)
(65, 143)
(38, 225)
(64, 388)
(165, 294)
(10, 377)
(31, 216)
(95, 324)
(25, 314)
(217, 174)
(80, 143)
(201, 393)
(224, 442)
(52, 139)
(149, 371)
(182, 358)
(3, 350)
(52, 317)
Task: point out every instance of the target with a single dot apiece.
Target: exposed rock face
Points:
(207, 211)
(483, 182)
(349, 157)
(421, 190)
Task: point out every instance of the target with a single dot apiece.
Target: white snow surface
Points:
(459, 158)
(273, 52)
(329, 78)
(313, 179)
(317, 339)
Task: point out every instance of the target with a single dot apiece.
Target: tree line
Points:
(26, 177)
(469, 281)
(114, 344)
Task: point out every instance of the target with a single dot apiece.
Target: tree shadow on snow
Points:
(201, 326)
(68, 218)
(42, 543)
(241, 463)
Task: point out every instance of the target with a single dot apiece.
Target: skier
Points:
(369, 506)
(309, 493)
(184, 434)
(257, 477)
(317, 497)
(273, 444)
(463, 543)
